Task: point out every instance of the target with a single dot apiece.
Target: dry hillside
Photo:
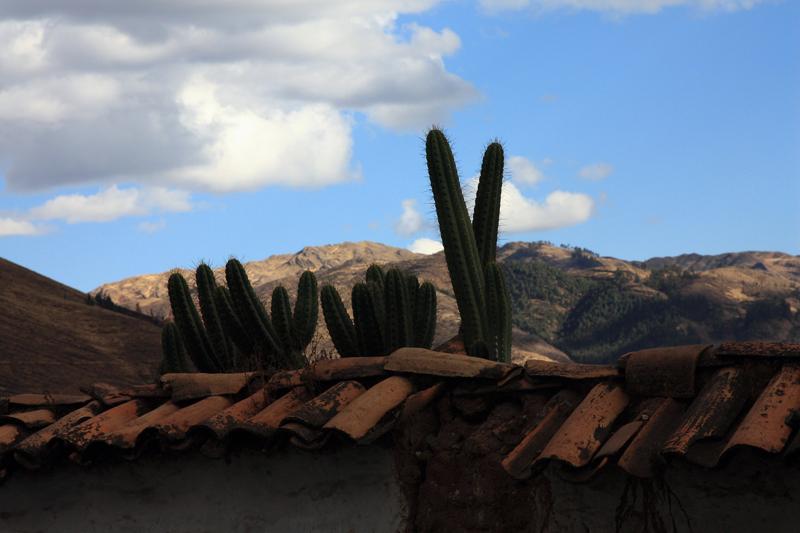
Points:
(51, 340)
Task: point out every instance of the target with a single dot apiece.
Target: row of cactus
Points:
(390, 310)
(233, 330)
(470, 247)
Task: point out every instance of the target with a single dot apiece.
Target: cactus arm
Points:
(251, 312)
(398, 311)
(340, 326)
(233, 326)
(306, 310)
(190, 325)
(206, 286)
(366, 318)
(458, 238)
(499, 307)
(425, 316)
(281, 309)
(174, 358)
(486, 216)
(376, 274)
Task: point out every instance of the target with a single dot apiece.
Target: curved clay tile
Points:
(36, 419)
(759, 349)
(712, 412)
(237, 414)
(419, 400)
(174, 426)
(316, 412)
(269, 419)
(347, 368)
(9, 434)
(552, 415)
(287, 379)
(126, 437)
(765, 425)
(43, 400)
(428, 362)
(360, 417)
(663, 372)
(642, 458)
(585, 430)
(30, 450)
(552, 369)
(98, 426)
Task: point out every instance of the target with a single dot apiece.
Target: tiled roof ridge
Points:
(697, 402)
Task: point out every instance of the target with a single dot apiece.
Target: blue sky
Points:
(136, 141)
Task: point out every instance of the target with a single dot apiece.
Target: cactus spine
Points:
(470, 248)
(190, 325)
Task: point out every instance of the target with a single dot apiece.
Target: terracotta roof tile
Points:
(639, 415)
(360, 417)
(586, 428)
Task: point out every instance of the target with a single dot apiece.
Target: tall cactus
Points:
(367, 319)
(376, 274)
(470, 247)
(206, 287)
(486, 215)
(174, 357)
(190, 325)
(458, 238)
(398, 311)
(281, 308)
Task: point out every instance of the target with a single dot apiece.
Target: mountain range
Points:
(565, 300)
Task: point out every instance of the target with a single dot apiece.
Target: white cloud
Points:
(425, 246)
(111, 204)
(153, 226)
(520, 214)
(618, 6)
(524, 171)
(225, 96)
(411, 221)
(596, 171)
(13, 227)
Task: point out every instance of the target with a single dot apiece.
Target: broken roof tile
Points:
(428, 362)
(419, 400)
(766, 424)
(667, 372)
(587, 427)
(360, 416)
(9, 434)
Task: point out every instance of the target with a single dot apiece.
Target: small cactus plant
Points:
(470, 247)
(390, 310)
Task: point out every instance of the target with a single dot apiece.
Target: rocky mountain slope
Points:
(51, 340)
(565, 299)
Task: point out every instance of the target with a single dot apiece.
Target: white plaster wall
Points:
(353, 490)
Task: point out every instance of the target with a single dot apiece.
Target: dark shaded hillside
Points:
(52, 340)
